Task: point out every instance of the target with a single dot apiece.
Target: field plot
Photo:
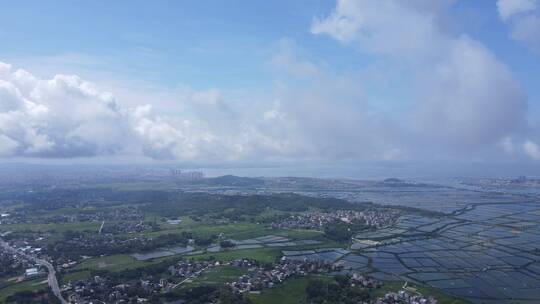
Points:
(489, 252)
(31, 285)
(290, 293)
(165, 252)
(261, 254)
(113, 263)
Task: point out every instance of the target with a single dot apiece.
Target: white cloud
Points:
(469, 98)
(161, 139)
(509, 8)
(527, 30)
(393, 155)
(327, 118)
(61, 117)
(7, 146)
(407, 29)
(465, 96)
(289, 59)
(10, 96)
(508, 145)
(532, 150)
(523, 17)
(66, 116)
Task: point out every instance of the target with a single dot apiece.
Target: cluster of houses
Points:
(260, 278)
(15, 264)
(128, 227)
(405, 297)
(364, 281)
(118, 214)
(246, 263)
(104, 290)
(317, 220)
(13, 217)
(27, 246)
(189, 269)
(94, 244)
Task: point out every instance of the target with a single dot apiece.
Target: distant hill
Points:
(234, 181)
(396, 182)
(393, 180)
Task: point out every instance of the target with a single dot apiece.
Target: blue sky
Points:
(211, 71)
(205, 43)
(209, 43)
(202, 43)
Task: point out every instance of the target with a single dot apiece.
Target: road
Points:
(101, 228)
(191, 277)
(51, 277)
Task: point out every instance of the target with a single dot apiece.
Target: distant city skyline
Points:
(405, 88)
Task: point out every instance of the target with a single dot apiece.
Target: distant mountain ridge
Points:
(234, 181)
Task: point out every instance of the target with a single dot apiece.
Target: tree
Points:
(226, 244)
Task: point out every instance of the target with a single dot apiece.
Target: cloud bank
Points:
(66, 116)
(309, 114)
(466, 99)
(464, 103)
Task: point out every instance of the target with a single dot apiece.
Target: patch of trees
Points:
(226, 244)
(205, 241)
(76, 244)
(272, 218)
(52, 199)
(28, 297)
(177, 203)
(137, 273)
(342, 231)
(338, 291)
(9, 266)
(202, 294)
(212, 294)
(418, 211)
(234, 206)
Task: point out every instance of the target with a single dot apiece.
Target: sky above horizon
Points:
(268, 82)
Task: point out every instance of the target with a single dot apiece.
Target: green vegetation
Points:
(43, 296)
(268, 255)
(290, 292)
(300, 234)
(342, 232)
(210, 294)
(75, 275)
(111, 245)
(239, 230)
(32, 285)
(324, 289)
(230, 230)
(52, 227)
(236, 207)
(139, 186)
(119, 262)
(319, 291)
(77, 214)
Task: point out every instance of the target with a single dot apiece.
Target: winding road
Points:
(51, 277)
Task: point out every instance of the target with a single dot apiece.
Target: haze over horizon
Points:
(321, 88)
